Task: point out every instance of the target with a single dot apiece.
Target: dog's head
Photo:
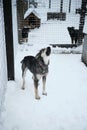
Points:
(44, 53)
(71, 29)
(48, 51)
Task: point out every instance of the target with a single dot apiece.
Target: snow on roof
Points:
(29, 11)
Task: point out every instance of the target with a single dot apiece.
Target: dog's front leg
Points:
(36, 89)
(72, 40)
(44, 83)
(23, 78)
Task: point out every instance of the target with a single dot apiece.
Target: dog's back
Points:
(29, 62)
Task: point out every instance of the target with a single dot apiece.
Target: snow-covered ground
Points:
(3, 69)
(65, 106)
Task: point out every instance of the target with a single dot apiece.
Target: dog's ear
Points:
(73, 27)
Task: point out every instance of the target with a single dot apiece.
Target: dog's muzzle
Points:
(48, 51)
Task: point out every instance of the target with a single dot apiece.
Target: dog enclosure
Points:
(34, 14)
(14, 29)
(54, 10)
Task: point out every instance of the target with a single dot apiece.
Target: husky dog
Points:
(38, 66)
(74, 34)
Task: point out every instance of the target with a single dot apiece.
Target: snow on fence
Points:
(84, 52)
(3, 68)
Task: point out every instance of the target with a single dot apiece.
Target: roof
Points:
(29, 11)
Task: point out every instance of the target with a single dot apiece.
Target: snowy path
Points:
(65, 106)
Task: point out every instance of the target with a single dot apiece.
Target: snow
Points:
(29, 12)
(3, 70)
(65, 106)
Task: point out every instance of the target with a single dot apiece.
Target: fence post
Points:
(84, 52)
(49, 4)
(22, 7)
(9, 38)
(69, 6)
(82, 20)
(61, 6)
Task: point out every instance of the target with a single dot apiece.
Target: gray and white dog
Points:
(38, 66)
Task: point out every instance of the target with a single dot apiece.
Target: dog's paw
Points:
(37, 97)
(44, 93)
(22, 88)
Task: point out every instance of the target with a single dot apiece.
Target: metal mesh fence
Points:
(33, 14)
